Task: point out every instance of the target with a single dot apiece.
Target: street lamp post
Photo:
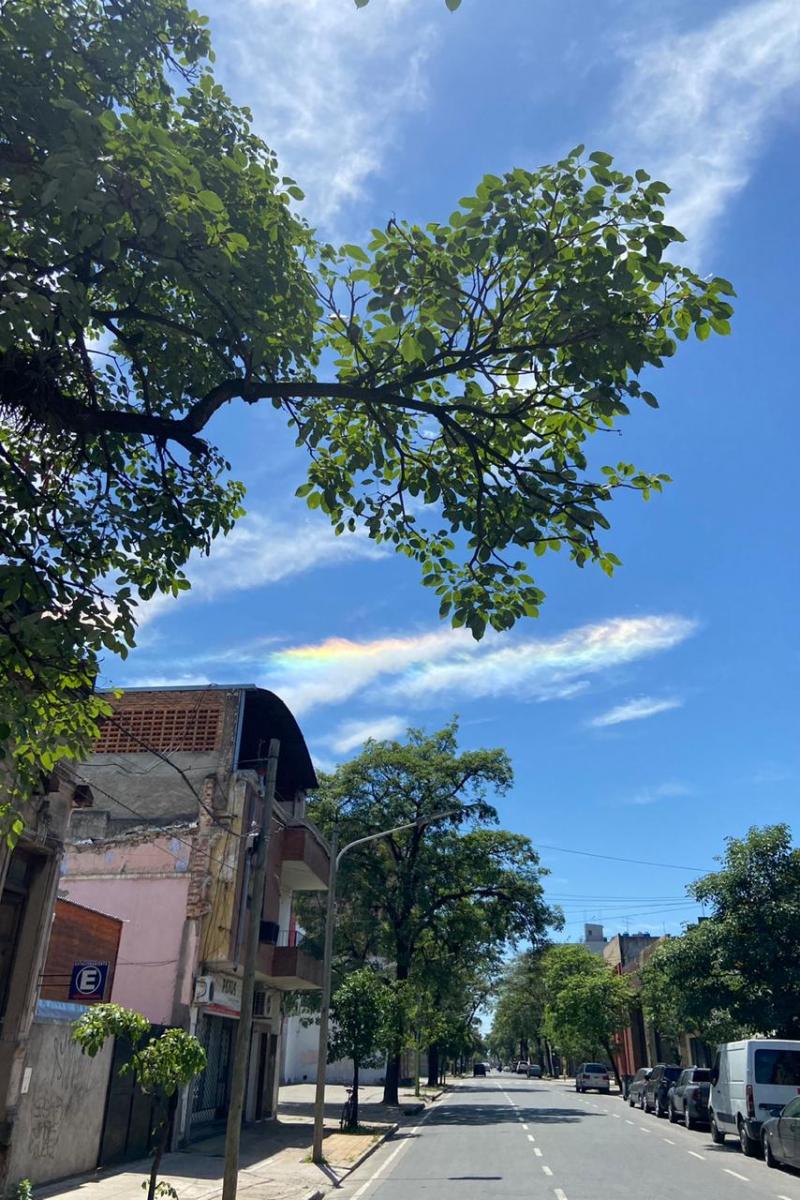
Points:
(327, 960)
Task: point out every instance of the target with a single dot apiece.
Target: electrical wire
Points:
(640, 862)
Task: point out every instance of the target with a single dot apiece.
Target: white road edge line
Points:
(411, 1133)
(694, 1154)
(736, 1175)
(547, 1170)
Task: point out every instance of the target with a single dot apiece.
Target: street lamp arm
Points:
(419, 824)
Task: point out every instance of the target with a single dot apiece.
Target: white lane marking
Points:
(537, 1152)
(412, 1133)
(780, 1197)
(644, 1130)
(669, 1141)
(694, 1154)
(524, 1126)
(531, 1138)
(547, 1170)
(616, 1116)
(560, 1195)
(627, 1122)
(736, 1175)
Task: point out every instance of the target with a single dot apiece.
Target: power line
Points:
(640, 862)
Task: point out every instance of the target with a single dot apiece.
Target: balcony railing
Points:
(272, 935)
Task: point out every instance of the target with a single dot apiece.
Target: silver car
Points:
(592, 1077)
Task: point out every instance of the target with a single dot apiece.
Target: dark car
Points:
(780, 1137)
(479, 1068)
(534, 1071)
(638, 1084)
(688, 1099)
(662, 1077)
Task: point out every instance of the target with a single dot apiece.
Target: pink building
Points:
(166, 848)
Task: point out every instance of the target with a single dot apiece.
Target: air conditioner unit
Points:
(262, 1004)
(204, 989)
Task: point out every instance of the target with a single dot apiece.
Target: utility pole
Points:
(325, 1003)
(233, 1131)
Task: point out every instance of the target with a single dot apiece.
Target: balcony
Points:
(282, 962)
(305, 862)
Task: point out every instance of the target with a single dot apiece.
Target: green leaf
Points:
(210, 201)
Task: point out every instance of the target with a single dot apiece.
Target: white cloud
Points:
(698, 106)
(260, 551)
(672, 790)
(635, 710)
(328, 85)
(433, 668)
(351, 735)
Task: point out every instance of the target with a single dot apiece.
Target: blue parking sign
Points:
(88, 981)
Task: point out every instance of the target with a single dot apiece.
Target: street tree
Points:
(360, 1013)
(518, 1016)
(737, 972)
(407, 887)
(588, 1003)
(162, 1065)
(443, 380)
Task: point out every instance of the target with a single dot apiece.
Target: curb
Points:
(387, 1133)
(317, 1194)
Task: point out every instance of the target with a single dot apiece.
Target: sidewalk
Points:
(274, 1156)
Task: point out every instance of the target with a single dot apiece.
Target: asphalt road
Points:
(506, 1137)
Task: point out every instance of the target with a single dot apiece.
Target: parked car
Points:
(638, 1084)
(592, 1077)
(479, 1068)
(751, 1081)
(780, 1137)
(522, 1067)
(656, 1090)
(687, 1100)
(534, 1071)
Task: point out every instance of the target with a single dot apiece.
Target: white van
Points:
(750, 1082)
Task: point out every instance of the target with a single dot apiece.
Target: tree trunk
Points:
(391, 1087)
(354, 1106)
(433, 1064)
(162, 1133)
(613, 1062)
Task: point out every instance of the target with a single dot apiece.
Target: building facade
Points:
(28, 884)
(166, 848)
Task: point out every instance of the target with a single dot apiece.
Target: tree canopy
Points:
(588, 1004)
(443, 380)
(518, 1016)
(449, 886)
(737, 971)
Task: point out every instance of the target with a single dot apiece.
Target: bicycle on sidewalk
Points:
(348, 1111)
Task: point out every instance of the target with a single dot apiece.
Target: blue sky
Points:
(647, 716)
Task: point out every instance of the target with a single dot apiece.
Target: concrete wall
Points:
(153, 913)
(300, 1043)
(59, 1119)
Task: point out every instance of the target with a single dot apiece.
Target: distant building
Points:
(593, 938)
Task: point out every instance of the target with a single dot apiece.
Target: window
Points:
(594, 1068)
(671, 1073)
(700, 1075)
(792, 1108)
(780, 1068)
